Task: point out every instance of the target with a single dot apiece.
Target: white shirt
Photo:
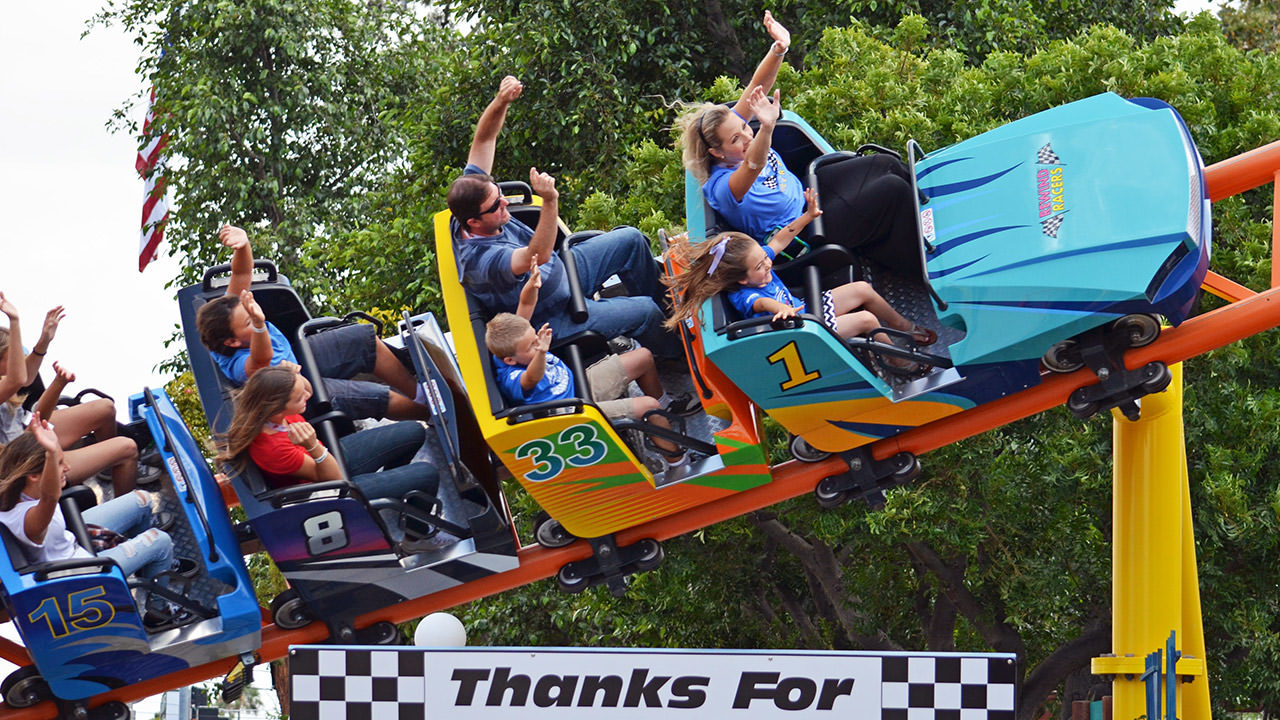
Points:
(59, 543)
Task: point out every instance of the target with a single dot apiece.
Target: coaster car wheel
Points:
(828, 493)
(804, 452)
(651, 556)
(550, 533)
(1063, 357)
(24, 687)
(1138, 329)
(289, 612)
(571, 580)
(380, 633)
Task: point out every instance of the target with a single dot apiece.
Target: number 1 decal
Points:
(789, 356)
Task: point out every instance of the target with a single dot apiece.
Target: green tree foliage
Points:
(274, 109)
(1252, 24)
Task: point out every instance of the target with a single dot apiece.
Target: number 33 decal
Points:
(577, 446)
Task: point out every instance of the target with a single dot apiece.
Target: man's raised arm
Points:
(485, 142)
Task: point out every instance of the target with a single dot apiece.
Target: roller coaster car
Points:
(342, 554)
(568, 456)
(1058, 237)
(81, 619)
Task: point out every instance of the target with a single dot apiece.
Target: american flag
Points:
(155, 208)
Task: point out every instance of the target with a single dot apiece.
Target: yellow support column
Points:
(1155, 586)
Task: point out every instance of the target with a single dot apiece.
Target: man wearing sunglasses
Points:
(497, 251)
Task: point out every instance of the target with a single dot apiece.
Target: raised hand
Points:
(509, 89)
(44, 434)
(302, 435)
(66, 376)
(233, 237)
(535, 274)
(252, 308)
(543, 184)
(7, 307)
(51, 320)
(811, 203)
(767, 110)
(544, 338)
(776, 31)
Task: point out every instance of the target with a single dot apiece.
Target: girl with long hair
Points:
(736, 263)
(268, 428)
(745, 180)
(33, 472)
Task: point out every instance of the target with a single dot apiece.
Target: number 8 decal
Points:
(325, 533)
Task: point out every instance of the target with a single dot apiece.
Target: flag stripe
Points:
(155, 207)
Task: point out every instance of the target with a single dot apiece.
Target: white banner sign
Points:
(569, 683)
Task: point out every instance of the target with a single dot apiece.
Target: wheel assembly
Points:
(24, 687)
(550, 533)
(289, 612)
(570, 580)
(804, 452)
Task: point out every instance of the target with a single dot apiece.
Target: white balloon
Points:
(440, 630)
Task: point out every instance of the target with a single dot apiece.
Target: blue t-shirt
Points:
(233, 365)
(556, 383)
(743, 298)
(774, 199)
(484, 264)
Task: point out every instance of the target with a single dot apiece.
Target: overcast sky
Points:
(71, 201)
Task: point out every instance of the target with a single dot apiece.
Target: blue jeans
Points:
(148, 551)
(391, 447)
(639, 315)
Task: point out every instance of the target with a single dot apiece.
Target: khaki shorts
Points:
(609, 388)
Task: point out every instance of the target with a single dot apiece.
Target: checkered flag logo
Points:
(1046, 156)
(1050, 225)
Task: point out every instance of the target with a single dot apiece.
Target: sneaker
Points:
(183, 567)
(683, 404)
(159, 618)
(165, 520)
(680, 461)
(621, 344)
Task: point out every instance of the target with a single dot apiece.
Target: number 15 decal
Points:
(578, 446)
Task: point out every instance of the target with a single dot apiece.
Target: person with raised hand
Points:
(495, 251)
(746, 181)
(242, 342)
(33, 471)
(14, 369)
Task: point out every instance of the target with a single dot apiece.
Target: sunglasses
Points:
(492, 208)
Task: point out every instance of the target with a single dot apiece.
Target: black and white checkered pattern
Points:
(1050, 225)
(357, 684)
(1046, 156)
(947, 688)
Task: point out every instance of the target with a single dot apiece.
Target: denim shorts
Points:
(343, 353)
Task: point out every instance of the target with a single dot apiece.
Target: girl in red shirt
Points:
(268, 428)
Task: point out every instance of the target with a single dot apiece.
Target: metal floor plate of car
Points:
(204, 589)
(910, 298)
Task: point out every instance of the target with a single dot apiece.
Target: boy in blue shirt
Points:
(527, 373)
